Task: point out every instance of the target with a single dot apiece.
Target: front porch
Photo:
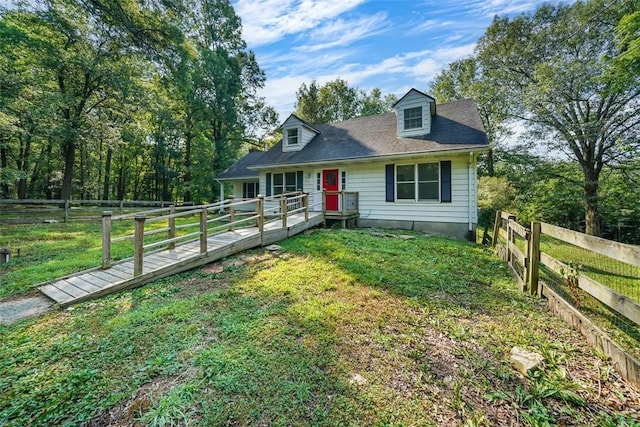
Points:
(347, 211)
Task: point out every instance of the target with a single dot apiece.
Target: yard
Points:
(340, 328)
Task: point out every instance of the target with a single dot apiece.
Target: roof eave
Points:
(478, 149)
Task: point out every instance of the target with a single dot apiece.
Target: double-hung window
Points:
(292, 136)
(285, 182)
(418, 182)
(250, 190)
(413, 118)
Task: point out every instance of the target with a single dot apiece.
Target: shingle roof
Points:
(457, 126)
(239, 169)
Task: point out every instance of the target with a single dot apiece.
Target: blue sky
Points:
(392, 45)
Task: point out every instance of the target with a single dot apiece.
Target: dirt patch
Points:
(14, 310)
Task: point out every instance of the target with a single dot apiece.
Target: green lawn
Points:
(342, 328)
(43, 252)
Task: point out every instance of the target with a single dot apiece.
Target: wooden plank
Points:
(520, 257)
(620, 303)
(627, 366)
(520, 230)
(70, 288)
(101, 280)
(618, 251)
(82, 284)
(117, 270)
(56, 294)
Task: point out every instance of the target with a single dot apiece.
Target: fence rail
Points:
(523, 251)
(65, 210)
(210, 219)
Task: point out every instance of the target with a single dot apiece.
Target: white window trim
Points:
(413, 118)
(297, 143)
(416, 184)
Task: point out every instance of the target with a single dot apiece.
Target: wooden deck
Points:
(99, 282)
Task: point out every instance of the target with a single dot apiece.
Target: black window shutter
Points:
(244, 190)
(390, 182)
(268, 184)
(299, 181)
(445, 181)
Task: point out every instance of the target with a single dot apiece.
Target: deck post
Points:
(172, 226)
(232, 212)
(496, 228)
(260, 213)
(106, 239)
(534, 257)
(305, 203)
(324, 201)
(342, 205)
(283, 210)
(203, 230)
(138, 247)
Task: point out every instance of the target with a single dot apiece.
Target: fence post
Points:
(232, 212)
(534, 257)
(138, 247)
(121, 207)
(283, 211)
(66, 210)
(106, 239)
(496, 227)
(203, 230)
(260, 213)
(172, 226)
(305, 204)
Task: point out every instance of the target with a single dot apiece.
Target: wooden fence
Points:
(520, 247)
(214, 218)
(65, 210)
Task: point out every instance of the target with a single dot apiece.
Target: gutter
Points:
(372, 158)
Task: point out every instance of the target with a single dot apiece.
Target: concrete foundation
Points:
(449, 229)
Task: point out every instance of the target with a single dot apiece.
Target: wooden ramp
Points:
(97, 282)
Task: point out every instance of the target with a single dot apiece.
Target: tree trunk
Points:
(4, 162)
(490, 163)
(187, 167)
(47, 181)
(69, 153)
(107, 174)
(591, 217)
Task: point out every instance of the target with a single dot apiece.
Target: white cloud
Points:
(268, 21)
(341, 32)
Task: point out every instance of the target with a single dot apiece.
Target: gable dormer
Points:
(414, 112)
(296, 133)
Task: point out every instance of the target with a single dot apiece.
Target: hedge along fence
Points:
(606, 270)
(36, 210)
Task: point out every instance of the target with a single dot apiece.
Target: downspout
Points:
(470, 184)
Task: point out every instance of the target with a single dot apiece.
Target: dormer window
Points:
(292, 137)
(413, 118)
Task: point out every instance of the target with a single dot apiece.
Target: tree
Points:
(466, 79)
(336, 101)
(554, 66)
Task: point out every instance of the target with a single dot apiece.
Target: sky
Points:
(392, 45)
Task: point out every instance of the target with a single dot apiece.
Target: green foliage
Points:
(125, 99)
(553, 69)
(425, 323)
(336, 101)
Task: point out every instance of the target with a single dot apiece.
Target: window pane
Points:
(428, 191)
(292, 136)
(290, 179)
(406, 191)
(277, 179)
(277, 190)
(428, 172)
(413, 118)
(405, 173)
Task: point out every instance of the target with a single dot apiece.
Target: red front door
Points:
(329, 184)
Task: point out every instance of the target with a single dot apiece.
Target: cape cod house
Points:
(413, 168)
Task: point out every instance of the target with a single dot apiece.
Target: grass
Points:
(342, 328)
(43, 252)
